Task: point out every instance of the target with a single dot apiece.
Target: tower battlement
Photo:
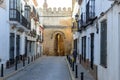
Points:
(60, 11)
(56, 11)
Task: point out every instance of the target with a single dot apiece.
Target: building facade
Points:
(98, 41)
(18, 30)
(57, 31)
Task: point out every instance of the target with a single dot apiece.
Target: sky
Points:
(56, 3)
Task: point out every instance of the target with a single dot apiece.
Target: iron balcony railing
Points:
(16, 16)
(15, 13)
(25, 22)
(90, 10)
(83, 20)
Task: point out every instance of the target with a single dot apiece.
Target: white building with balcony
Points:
(16, 26)
(19, 23)
(99, 38)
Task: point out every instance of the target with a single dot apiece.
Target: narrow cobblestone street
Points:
(59, 39)
(45, 68)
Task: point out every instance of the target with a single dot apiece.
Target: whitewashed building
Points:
(19, 30)
(13, 35)
(98, 43)
(35, 31)
(75, 11)
(4, 31)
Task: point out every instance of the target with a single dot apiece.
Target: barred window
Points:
(103, 46)
(84, 48)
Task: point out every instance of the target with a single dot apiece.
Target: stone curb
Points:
(70, 71)
(13, 73)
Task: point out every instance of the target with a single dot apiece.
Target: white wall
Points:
(102, 6)
(4, 33)
(113, 39)
(90, 29)
(112, 71)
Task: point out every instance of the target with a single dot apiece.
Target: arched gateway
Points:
(57, 31)
(59, 46)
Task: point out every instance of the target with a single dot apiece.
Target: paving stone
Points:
(46, 68)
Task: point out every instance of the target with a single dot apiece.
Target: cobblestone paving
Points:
(45, 68)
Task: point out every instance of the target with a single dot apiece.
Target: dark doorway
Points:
(92, 50)
(18, 47)
(75, 44)
(26, 43)
(59, 45)
(12, 47)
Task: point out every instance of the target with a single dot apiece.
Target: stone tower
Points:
(45, 5)
(57, 35)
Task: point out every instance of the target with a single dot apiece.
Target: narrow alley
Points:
(45, 68)
(59, 39)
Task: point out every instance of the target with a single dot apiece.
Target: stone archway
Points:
(59, 47)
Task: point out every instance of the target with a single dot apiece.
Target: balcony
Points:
(16, 18)
(25, 22)
(15, 14)
(39, 39)
(90, 11)
(83, 20)
(33, 33)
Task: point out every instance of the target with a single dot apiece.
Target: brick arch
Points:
(57, 32)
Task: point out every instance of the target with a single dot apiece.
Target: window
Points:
(92, 51)
(84, 48)
(90, 10)
(30, 46)
(26, 43)
(27, 12)
(12, 47)
(17, 45)
(14, 14)
(14, 4)
(18, 5)
(103, 42)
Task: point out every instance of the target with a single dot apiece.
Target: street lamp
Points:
(77, 20)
